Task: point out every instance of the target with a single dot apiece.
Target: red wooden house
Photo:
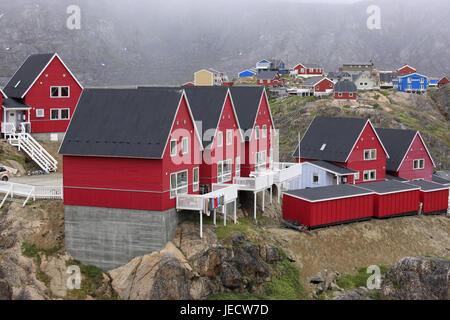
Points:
(405, 70)
(255, 119)
(318, 86)
(122, 173)
(43, 95)
(409, 156)
(443, 82)
(268, 78)
(352, 143)
(345, 90)
(310, 70)
(326, 206)
(222, 138)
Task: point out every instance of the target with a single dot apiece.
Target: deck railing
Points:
(197, 202)
(27, 191)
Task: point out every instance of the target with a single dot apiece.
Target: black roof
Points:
(312, 81)
(428, 185)
(396, 142)
(206, 104)
(345, 86)
(12, 103)
(27, 74)
(391, 177)
(440, 180)
(133, 123)
(383, 187)
(267, 74)
(339, 135)
(333, 167)
(328, 193)
(246, 101)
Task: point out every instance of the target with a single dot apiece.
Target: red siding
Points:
(367, 140)
(416, 151)
(396, 203)
(443, 82)
(38, 97)
(308, 71)
(345, 96)
(434, 201)
(142, 184)
(315, 214)
(406, 70)
(228, 121)
(323, 85)
(252, 146)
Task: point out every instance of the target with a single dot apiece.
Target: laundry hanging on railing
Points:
(214, 203)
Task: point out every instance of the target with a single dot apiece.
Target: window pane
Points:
(55, 114)
(64, 114)
(64, 91)
(195, 175)
(374, 154)
(173, 147)
(54, 91)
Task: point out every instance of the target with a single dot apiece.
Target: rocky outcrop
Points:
(194, 268)
(353, 294)
(417, 279)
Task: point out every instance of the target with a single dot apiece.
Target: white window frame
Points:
(178, 189)
(229, 137)
(420, 164)
(185, 142)
(356, 176)
(39, 114)
(219, 139)
(260, 160)
(222, 175)
(371, 155)
(315, 174)
(264, 131)
(59, 110)
(195, 182)
(237, 168)
(257, 133)
(174, 153)
(369, 173)
(59, 96)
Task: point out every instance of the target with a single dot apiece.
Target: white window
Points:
(264, 131)
(60, 92)
(257, 132)
(340, 94)
(302, 70)
(238, 167)
(323, 147)
(422, 80)
(419, 164)
(370, 175)
(357, 176)
(229, 137)
(178, 183)
(59, 114)
(184, 145)
(351, 94)
(260, 160)
(224, 171)
(196, 179)
(370, 154)
(315, 178)
(173, 148)
(39, 113)
(219, 138)
(409, 80)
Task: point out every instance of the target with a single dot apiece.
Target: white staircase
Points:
(24, 141)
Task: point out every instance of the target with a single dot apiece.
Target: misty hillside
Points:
(165, 41)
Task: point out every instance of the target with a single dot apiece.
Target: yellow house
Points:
(209, 77)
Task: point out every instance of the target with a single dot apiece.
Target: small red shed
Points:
(443, 82)
(434, 196)
(326, 206)
(394, 198)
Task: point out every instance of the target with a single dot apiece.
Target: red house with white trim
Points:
(310, 70)
(406, 69)
(443, 82)
(318, 86)
(352, 143)
(345, 90)
(255, 119)
(268, 78)
(222, 137)
(42, 95)
(409, 155)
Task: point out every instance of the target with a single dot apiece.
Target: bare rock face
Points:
(56, 269)
(5, 290)
(353, 294)
(417, 279)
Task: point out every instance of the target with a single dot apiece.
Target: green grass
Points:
(284, 286)
(31, 250)
(354, 281)
(429, 255)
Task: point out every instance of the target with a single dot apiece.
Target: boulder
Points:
(415, 278)
(230, 277)
(5, 290)
(353, 294)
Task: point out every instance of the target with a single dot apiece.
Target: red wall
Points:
(434, 200)
(307, 71)
(443, 82)
(324, 85)
(253, 145)
(314, 214)
(406, 70)
(345, 96)
(396, 203)
(416, 151)
(208, 169)
(367, 140)
(142, 184)
(38, 97)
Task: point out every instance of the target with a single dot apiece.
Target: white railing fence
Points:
(26, 191)
(197, 202)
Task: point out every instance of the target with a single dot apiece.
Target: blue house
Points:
(412, 83)
(247, 73)
(272, 65)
